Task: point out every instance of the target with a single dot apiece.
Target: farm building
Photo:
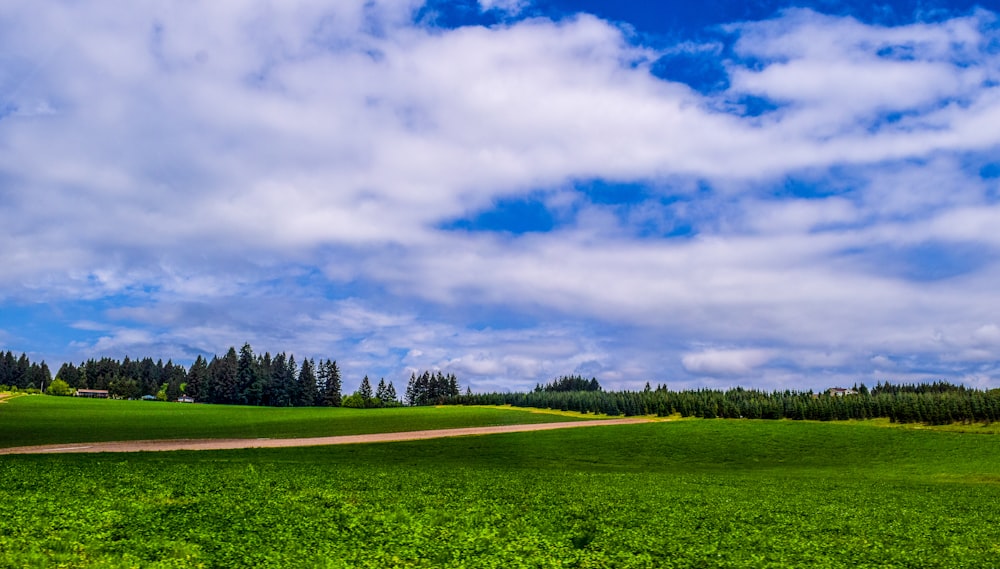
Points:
(92, 393)
(840, 391)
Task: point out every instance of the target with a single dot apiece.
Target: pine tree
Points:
(380, 391)
(291, 381)
(225, 383)
(20, 377)
(197, 380)
(332, 387)
(265, 367)
(308, 394)
(279, 391)
(250, 390)
(365, 391)
(411, 390)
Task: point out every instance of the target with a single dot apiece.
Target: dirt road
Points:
(221, 444)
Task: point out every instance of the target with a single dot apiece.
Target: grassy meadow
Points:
(694, 493)
(39, 419)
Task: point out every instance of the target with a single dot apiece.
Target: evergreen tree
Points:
(175, 376)
(265, 366)
(225, 383)
(197, 380)
(411, 390)
(365, 391)
(20, 377)
(291, 381)
(280, 391)
(68, 373)
(307, 392)
(331, 384)
(250, 389)
(7, 363)
(380, 391)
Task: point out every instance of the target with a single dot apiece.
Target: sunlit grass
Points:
(702, 493)
(41, 419)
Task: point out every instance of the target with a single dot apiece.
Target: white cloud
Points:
(512, 7)
(215, 155)
(987, 335)
(725, 362)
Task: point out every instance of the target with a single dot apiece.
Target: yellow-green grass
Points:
(44, 419)
(703, 493)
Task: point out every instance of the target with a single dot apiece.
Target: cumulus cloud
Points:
(724, 362)
(213, 166)
(511, 7)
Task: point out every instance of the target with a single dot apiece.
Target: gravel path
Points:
(220, 444)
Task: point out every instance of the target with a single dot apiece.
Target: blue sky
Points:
(769, 194)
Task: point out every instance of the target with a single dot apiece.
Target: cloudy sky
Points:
(771, 194)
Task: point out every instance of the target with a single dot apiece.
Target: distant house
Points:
(840, 392)
(185, 399)
(92, 393)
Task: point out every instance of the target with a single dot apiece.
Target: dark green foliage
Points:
(365, 392)
(571, 383)
(236, 378)
(197, 380)
(280, 388)
(223, 373)
(22, 373)
(431, 389)
(935, 404)
(70, 374)
(249, 383)
(124, 388)
(330, 383)
(308, 394)
(687, 494)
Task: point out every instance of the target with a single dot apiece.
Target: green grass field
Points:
(701, 493)
(39, 419)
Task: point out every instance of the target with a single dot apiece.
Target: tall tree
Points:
(279, 390)
(249, 378)
(291, 381)
(380, 391)
(365, 391)
(307, 392)
(225, 385)
(197, 380)
(21, 369)
(174, 376)
(332, 384)
(70, 374)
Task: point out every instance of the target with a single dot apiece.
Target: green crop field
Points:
(701, 493)
(35, 420)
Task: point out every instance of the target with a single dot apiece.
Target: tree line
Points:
(248, 379)
(22, 373)
(235, 378)
(244, 378)
(431, 389)
(931, 403)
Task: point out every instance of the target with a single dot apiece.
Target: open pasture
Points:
(37, 420)
(704, 493)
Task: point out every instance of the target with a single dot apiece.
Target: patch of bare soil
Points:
(224, 444)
